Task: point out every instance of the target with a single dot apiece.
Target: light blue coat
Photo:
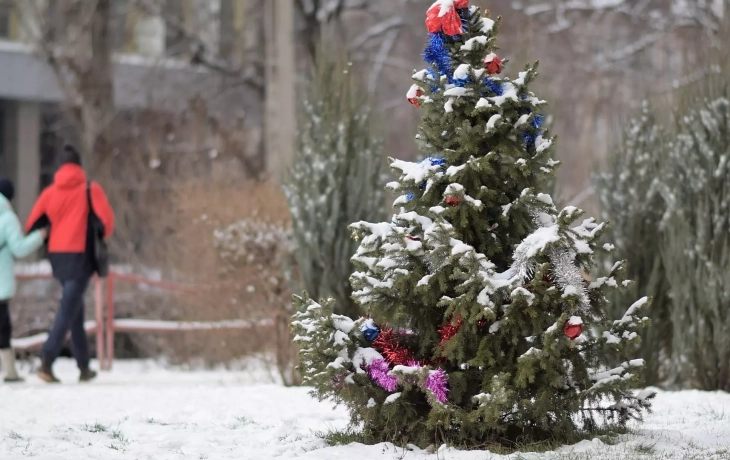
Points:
(13, 245)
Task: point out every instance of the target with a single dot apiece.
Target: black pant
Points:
(6, 326)
(70, 317)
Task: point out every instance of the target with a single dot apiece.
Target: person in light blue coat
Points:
(13, 245)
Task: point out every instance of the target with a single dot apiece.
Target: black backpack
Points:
(97, 246)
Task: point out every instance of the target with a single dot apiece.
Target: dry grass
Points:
(250, 289)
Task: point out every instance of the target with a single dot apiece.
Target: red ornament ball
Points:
(452, 200)
(493, 64)
(573, 331)
(414, 100)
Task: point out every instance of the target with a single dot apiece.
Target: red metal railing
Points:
(105, 328)
(111, 321)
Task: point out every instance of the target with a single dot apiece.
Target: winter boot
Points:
(87, 375)
(7, 357)
(45, 373)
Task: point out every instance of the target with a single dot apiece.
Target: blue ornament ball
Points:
(370, 330)
(437, 161)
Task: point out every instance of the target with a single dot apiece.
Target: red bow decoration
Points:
(443, 16)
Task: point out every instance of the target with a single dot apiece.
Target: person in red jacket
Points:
(64, 208)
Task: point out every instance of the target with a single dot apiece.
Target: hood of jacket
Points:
(69, 176)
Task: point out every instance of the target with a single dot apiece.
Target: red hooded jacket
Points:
(64, 206)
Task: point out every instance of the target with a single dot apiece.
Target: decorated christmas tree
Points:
(482, 326)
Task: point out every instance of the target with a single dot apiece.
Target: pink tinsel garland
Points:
(379, 371)
(436, 383)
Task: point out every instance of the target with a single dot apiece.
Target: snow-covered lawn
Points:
(141, 411)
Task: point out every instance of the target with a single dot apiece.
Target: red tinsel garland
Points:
(395, 353)
(398, 355)
(447, 331)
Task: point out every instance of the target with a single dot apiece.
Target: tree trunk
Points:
(96, 87)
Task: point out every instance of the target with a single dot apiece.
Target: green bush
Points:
(628, 190)
(335, 180)
(667, 193)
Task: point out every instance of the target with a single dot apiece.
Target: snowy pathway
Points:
(140, 411)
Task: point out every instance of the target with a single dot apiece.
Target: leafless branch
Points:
(316, 14)
(202, 56)
(386, 47)
(377, 31)
(690, 79)
(653, 12)
(80, 58)
(645, 21)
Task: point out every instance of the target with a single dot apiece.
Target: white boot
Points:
(7, 357)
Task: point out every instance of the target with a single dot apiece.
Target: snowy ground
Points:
(141, 411)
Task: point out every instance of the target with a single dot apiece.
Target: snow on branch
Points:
(629, 317)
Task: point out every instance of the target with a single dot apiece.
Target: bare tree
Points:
(199, 51)
(377, 25)
(73, 37)
(318, 14)
(617, 30)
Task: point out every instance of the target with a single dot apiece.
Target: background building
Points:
(163, 55)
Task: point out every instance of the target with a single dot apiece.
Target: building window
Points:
(135, 31)
(119, 28)
(182, 30)
(55, 130)
(192, 27)
(150, 36)
(6, 10)
(176, 44)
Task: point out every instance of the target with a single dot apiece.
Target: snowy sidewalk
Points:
(140, 411)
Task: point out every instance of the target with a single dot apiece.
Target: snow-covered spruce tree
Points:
(481, 327)
(334, 181)
(696, 244)
(629, 194)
